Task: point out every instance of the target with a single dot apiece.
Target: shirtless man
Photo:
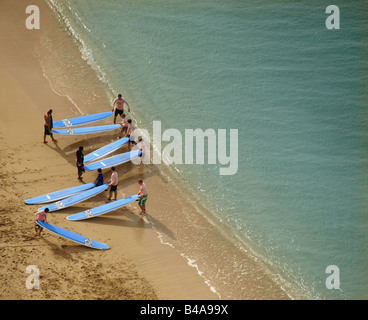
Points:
(142, 196)
(124, 125)
(130, 133)
(48, 126)
(113, 183)
(119, 106)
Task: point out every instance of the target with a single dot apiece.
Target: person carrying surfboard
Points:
(40, 216)
(124, 125)
(143, 195)
(142, 147)
(48, 126)
(130, 133)
(119, 106)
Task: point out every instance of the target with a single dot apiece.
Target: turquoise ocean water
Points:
(296, 92)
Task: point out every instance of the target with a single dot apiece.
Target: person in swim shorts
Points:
(80, 162)
(130, 133)
(48, 126)
(119, 106)
(143, 195)
(124, 125)
(113, 183)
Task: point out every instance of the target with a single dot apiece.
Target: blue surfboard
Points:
(86, 130)
(77, 121)
(105, 208)
(106, 150)
(113, 161)
(61, 194)
(73, 236)
(67, 202)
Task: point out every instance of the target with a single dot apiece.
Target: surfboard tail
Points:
(75, 237)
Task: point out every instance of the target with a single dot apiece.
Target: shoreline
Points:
(162, 267)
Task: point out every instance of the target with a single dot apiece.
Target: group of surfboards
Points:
(67, 197)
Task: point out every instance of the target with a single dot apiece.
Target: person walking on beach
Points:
(48, 126)
(80, 162)
(40, 216)
(113, 183)
(99, 180)
(143, 195)
(119, 106)
(124, 125)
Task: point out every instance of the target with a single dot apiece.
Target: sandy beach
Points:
(138, 264)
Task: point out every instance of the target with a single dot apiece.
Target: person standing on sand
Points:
(113, 183)
(80, 162)
(40, 216)
(48, 126)
(119, 106)
(143, 195)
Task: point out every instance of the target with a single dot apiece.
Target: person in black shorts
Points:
(48, 126)
(80, 162)
(113, 183)
(119, 106)
(118, 112)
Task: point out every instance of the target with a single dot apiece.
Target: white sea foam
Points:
(86, 52)
(191, 262)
